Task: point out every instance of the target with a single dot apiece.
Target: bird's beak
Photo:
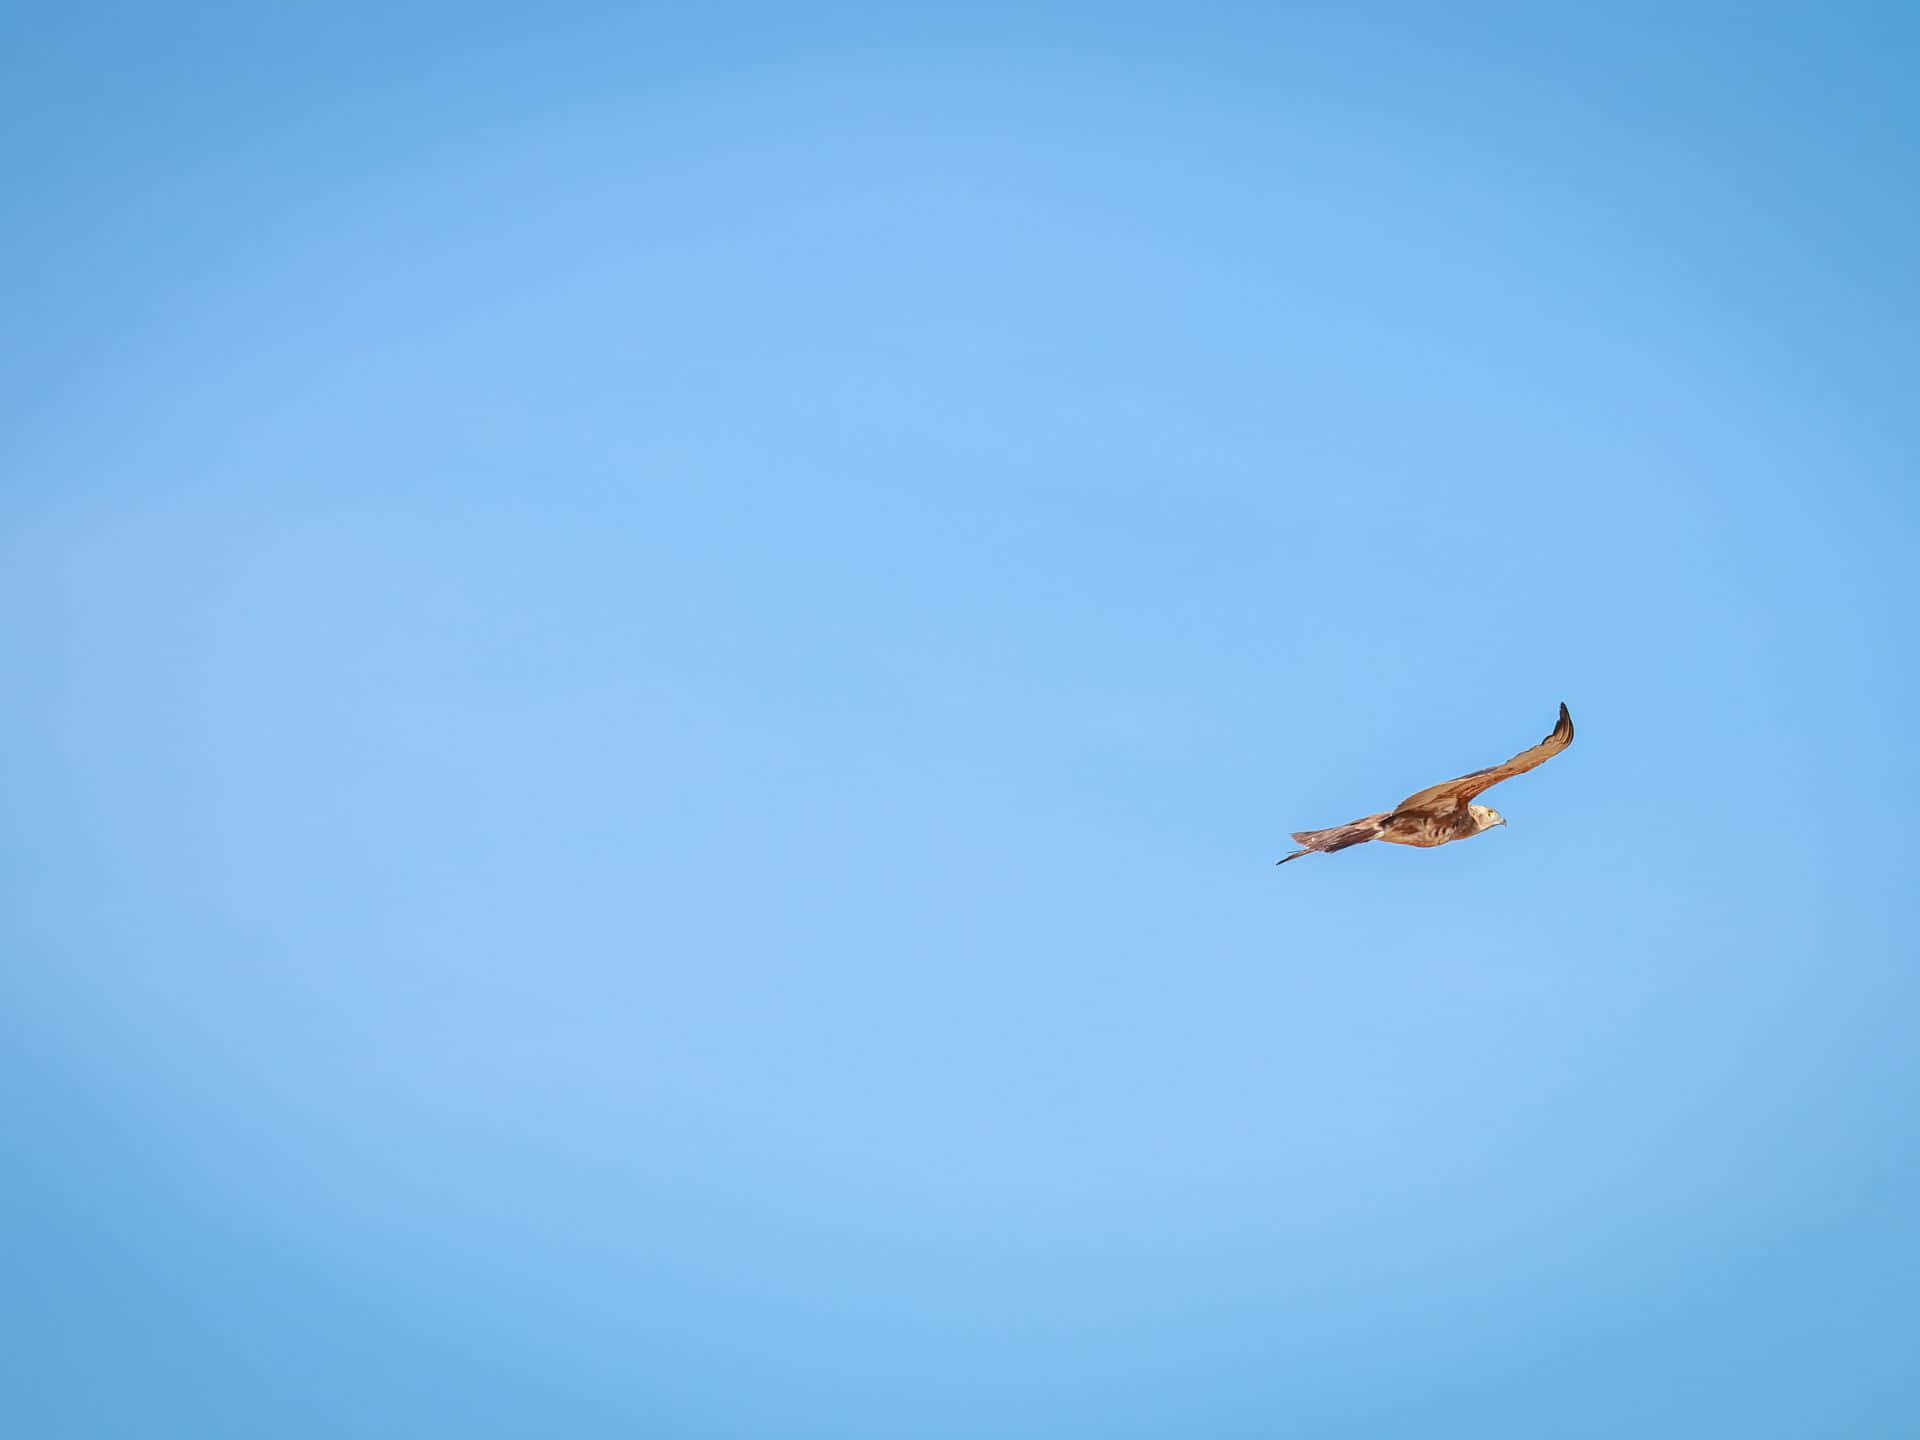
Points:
(1503, 819)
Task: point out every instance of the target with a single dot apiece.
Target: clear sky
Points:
(657, 657)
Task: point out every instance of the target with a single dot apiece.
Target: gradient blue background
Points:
(656, 658)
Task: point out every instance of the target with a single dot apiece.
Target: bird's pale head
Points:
(1485, 816)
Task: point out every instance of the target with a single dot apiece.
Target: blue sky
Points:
(659, 655)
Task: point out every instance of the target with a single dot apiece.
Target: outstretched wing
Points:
(1452, 794)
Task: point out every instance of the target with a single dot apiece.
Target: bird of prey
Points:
(1440, 812)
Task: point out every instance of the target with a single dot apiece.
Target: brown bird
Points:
(1440, 812)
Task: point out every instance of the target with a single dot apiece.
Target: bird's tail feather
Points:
(1338, 837)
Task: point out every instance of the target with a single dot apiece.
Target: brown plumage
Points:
(1439, 813)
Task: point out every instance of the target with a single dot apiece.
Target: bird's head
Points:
(1487, 816)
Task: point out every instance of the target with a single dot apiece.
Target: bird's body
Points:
(1441, 813)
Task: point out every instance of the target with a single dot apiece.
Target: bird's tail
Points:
(1338, 837)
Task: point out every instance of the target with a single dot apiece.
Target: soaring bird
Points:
(1440, 812)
